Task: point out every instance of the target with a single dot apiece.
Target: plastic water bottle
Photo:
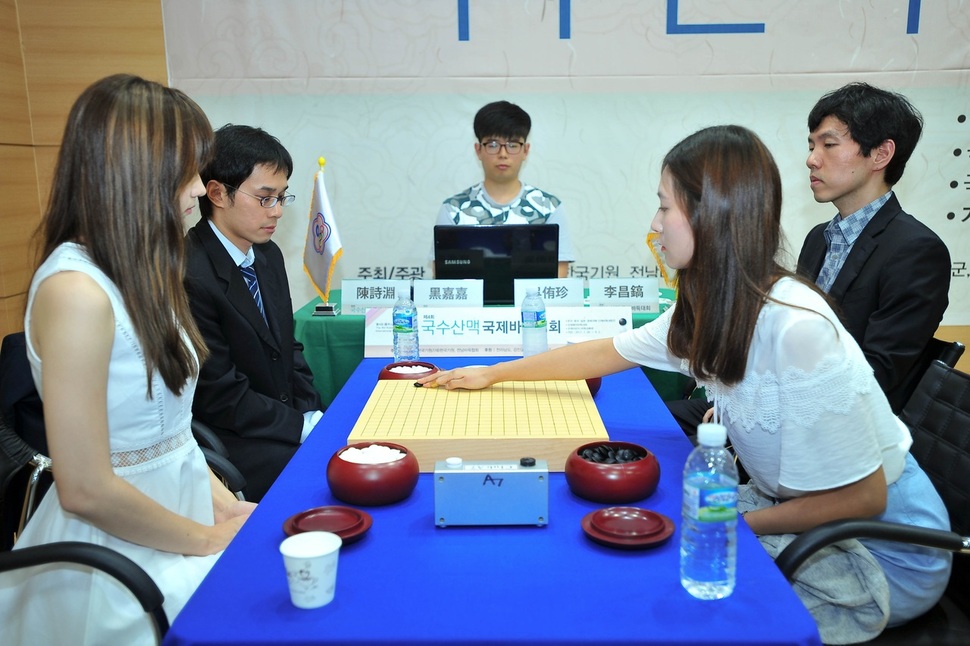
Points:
(405, 316)
(534, 328)
(708, 542)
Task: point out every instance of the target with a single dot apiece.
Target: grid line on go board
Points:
(511, 409)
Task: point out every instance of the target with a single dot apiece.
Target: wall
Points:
(386, 92)
(50, 50)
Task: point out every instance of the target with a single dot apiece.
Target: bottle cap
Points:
(711, 434)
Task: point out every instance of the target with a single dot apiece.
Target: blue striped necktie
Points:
(250, 275)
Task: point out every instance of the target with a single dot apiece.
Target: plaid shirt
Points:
(840, 234)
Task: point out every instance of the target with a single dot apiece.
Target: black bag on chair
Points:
(19, 401)
(23, 437)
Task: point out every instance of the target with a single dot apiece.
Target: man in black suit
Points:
(887, 273)
(255, 388)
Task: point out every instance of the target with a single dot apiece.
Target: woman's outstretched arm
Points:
(576, 361)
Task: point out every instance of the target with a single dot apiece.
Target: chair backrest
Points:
(22, 437)
(20, 403)
(938, 415)
(949, 352)
(14, 457)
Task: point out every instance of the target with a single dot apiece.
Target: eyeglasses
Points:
(267, 202)
(511, 147)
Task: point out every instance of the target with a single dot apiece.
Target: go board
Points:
(545, 420)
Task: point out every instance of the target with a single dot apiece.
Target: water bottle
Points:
(708, 542)
(405, 317)
(534, 328)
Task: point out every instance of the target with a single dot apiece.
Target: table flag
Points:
(323, 248)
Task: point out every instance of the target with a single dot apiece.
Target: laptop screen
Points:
(497, 254)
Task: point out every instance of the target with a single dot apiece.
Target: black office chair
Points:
(208, 439)
(938, 414)
(25, 474)
(949, 352)
(102, 558)
(24, 477)
(19, 401)
(217, 456)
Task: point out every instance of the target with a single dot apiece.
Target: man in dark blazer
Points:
(255, 388)
(887, 273)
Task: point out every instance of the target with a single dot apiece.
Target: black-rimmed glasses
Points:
(492, 146)
(268, 201)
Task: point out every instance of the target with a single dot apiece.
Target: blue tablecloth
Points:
(409, 582)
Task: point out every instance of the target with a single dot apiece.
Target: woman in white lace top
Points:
(803, 410)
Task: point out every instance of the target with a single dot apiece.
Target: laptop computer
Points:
(497, 254)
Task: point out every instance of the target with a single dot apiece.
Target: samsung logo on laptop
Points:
(458, 261)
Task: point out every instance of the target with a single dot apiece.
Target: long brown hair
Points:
(130, 147)
(727, 182)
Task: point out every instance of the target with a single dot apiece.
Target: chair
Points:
(217, 456)
(938, 414)
(207, 438)
(949, 352)
(19, 401)
(24, 468)
(102, 558)
(24, 475)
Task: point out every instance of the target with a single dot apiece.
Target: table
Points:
(334, 346)
(407, 582)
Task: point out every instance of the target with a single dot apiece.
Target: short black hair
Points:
(502, 119)
(873, 115)
(238, 150)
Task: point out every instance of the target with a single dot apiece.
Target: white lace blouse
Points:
(808, 414)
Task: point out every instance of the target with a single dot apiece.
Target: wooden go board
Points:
(545, 420)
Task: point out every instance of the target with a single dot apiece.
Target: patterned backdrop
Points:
(386, 91)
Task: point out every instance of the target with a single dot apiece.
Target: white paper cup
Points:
(311, 567)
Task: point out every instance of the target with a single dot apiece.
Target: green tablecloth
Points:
(334, 346)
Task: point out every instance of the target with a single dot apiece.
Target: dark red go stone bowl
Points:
(387, 373)
(372, 484)
(612, 483)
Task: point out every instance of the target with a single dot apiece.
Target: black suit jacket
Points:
(255, 386)
(891, 292)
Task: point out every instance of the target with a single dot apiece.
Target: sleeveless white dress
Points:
(152, 447)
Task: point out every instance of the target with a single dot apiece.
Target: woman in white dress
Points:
(802, 407)
(115, 354)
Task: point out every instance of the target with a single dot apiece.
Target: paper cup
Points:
(311, 567)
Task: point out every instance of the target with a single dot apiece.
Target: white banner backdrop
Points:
(386, 91)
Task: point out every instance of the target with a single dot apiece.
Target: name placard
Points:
(449, 293)
(641, 294)
(492, 330)
(555, 292)
(359, 295)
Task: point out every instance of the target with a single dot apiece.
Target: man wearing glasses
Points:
(255, 389)
(501, 131)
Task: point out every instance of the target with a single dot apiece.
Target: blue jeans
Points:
(917, 576)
